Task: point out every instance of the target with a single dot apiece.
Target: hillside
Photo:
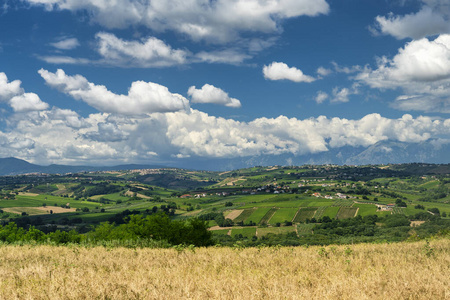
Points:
(311, 204)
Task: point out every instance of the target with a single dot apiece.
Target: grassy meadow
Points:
(415, 270)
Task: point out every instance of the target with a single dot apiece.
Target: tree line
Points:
(157, 229)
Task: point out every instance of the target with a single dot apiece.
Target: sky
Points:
(105, 82)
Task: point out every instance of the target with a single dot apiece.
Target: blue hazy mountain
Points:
(15, 166)
(384, 152)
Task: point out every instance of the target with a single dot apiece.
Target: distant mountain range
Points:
(384, 152)
(14, 166)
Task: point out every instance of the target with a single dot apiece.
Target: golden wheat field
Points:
(365, 271)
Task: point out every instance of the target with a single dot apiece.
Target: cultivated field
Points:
(247, 232)
(283, 214)
(363, 271)
(244, 215)
(39, 210)
(258, 214)
(346, 212)
(268, 215)
(330, 211)
(304, 213)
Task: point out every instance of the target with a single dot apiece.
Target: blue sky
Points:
(158, 81)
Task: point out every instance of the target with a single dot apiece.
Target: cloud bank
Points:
(62, 136)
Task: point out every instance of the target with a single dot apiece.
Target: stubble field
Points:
(364, 271)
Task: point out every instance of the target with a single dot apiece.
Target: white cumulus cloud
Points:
(142, 98)
(149, 52)
(281, 71)
(421, 69)
(13, 94)
(203, 135)
(9, 89)
(211, 94)
(433, 18)
(27, 102)
(215, 21)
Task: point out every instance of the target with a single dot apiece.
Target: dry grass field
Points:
(365, 271)
(32, 211)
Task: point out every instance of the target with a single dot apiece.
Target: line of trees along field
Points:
(156, 230)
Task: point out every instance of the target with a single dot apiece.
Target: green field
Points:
(303, 229)
(258, 214)
(246, 231)
(343, 203)
(244, 215)
(346, 212)
(320, 203)
(398, 211)
(443, 207)
(251, 199)
(282, 215)
(319, 212)
(35, 201)
(304, 213)
(212, 223)
(285, 203)
(220, 231)
(286, 200)
(275, 230)
(331, 212)
(21, 202)
(113, 197)
(365, 209)
(268, 215)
